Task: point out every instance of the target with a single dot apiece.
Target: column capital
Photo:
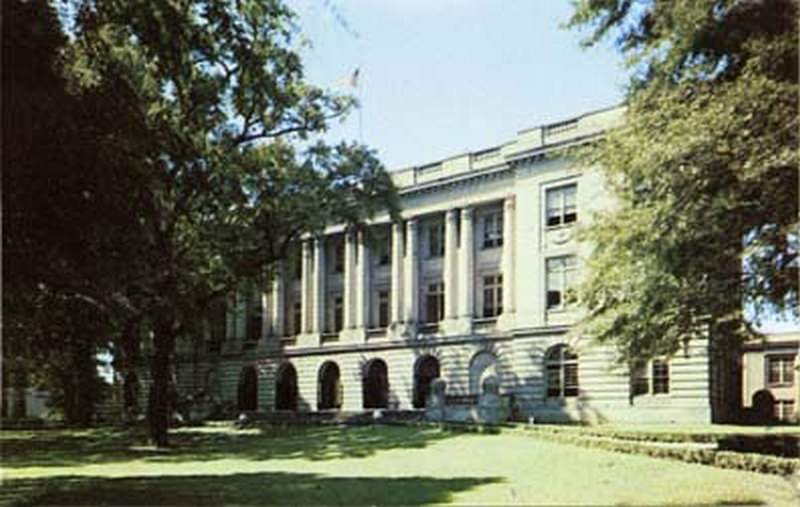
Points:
(451, 215)
(467, 212)
(411, 223)
(510, 201)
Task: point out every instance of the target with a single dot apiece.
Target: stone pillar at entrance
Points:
(318, 292)
(411, 281)
(396, 294)
(506, 319)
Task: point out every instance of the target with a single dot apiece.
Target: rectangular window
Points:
(660, 376)
(338, 313)
(435, 240)
(570, 380)
(784, 410)
(561, 279)
(434, 302)
(493, 229)
(297, 316)
(338, 257)
(562, 205)
(238, 311)
(553, 381)
(650, 378)
(383, 308)
(492, 296)
(384, 251)
(218, 323)
(256, 317)
(640, 384)
(780, 370)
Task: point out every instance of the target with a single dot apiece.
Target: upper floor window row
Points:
(562, 205)
(435, 240)
(493, 229)
(780, 370)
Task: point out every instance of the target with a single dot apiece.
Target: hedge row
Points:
(722, 459)
(638, 436)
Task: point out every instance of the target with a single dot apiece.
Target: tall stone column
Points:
(362, 283)
(318, 290)
(396, 296)
(466, 267)
(451, 287)
(349, 289)
(278, 288)
(305, 288)
(508, 263)
(411, 281)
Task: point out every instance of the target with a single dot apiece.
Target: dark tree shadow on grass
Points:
(64, 448)
(242, 489)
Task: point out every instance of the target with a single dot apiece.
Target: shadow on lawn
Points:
(65, 448)
(242, 489)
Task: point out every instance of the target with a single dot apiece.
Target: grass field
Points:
(365, 465)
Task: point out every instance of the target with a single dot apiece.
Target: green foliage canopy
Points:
(206, 165)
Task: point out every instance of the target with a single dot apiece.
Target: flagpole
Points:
(360, 119)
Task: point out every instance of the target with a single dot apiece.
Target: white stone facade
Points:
(477, 276)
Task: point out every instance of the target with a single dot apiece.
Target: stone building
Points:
(769, 383)
(475, 282)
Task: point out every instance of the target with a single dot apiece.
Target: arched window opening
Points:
(329, 387)
(482, 366)
(286, 388)
(426, 370)
(561, 364)
(376, 384)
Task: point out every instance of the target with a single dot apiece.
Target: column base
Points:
(506, 321)
(457, 326)
(402, 331)
(308, 340)
(354, 335)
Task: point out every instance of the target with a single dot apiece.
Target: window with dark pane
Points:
(660, 376)
(383, 308)
(493, 229)
(561, 205)
(492, 295)
(434, 302)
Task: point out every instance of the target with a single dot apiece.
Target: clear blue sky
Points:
(440, 77)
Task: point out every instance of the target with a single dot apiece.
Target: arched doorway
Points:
(329, 387)
(482, 366)
(376, 384)
(248, 389)
(425, 370)
(286, 388)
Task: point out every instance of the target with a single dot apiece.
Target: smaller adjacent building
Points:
(769, 377)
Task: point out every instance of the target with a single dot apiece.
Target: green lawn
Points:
(367, 465)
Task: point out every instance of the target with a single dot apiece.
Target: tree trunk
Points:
(159, 408)
(86, 393)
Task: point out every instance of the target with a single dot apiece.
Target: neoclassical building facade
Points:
(475, 281)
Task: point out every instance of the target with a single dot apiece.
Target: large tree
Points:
(704, 171)
(221, 116)
(68, 232)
